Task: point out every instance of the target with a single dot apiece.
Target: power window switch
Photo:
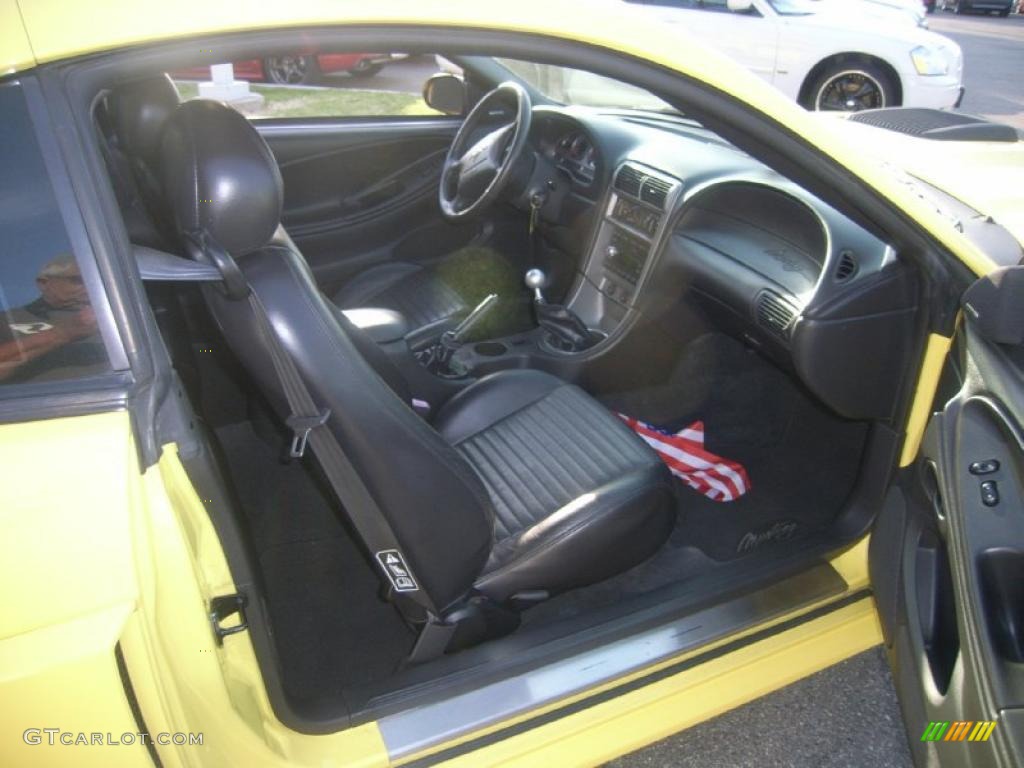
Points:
(989, 493)
(986, 467)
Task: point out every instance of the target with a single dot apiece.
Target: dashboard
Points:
(679, 215)
(574, 153)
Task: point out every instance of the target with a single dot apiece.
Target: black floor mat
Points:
(802, 459)
(330, 626)
(674, 563)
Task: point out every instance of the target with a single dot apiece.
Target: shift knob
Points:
(535, 280)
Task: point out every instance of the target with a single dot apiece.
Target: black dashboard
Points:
(680, 215)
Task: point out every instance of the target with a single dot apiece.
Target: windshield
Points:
(794, 7)
(577, 87)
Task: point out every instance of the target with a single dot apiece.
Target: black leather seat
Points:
(522, 484)
(139, 111)
(417, 293)
(576, 496)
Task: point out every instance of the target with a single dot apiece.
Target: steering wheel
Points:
(473, 177)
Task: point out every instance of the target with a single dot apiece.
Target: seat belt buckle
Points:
(301, 426)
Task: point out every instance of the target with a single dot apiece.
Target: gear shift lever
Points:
(565, 329)
(535, 280)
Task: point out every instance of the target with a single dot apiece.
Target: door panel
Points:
(361, 192)
(947, 564)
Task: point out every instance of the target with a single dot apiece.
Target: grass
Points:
(325, 102)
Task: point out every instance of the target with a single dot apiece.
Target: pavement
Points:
(846, 715)
(993, 63)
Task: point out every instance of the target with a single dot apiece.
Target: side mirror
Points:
(446, 93)
(739, 6)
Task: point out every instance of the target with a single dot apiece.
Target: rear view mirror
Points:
(739, 6)
(446, 93)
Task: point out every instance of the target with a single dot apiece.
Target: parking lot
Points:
(993, 63)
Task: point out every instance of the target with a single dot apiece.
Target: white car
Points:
(826, 55)
(915, 9)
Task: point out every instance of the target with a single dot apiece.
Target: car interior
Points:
(496, 311)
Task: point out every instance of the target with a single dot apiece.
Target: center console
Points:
(633, 222)
(620, 257)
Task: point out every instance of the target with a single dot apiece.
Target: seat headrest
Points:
(140, 111)
(220, 177)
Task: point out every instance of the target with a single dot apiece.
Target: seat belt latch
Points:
(301, 426)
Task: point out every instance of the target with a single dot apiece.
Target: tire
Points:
(1004, 14)
(290, 70)
(874, 85)
(365, 69)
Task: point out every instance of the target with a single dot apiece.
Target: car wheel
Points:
(366, 68)
(1004, 13)
(851, 87)
(290, 70)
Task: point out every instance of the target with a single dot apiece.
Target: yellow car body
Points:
(133, 603)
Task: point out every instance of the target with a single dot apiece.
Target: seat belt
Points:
(306, 421)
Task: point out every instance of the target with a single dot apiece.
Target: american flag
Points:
(683, 451)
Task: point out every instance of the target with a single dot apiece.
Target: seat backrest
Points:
(138, 111)
(224, 188)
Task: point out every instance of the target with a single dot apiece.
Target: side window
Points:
(324, 84)
(48, 330)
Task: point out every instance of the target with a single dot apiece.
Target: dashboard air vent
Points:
(847, 266)
(629, 180)
(774, 314)
(655, 191)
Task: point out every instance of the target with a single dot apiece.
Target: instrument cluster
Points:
(575, 154)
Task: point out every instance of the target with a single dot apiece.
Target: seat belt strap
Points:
(307, 422)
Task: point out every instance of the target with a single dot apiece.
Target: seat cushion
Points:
(413, 291)
(578, 497)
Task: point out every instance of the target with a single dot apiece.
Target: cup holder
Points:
(490, 348)
(553, 344)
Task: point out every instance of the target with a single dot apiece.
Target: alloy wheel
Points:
(850, 91)
(287, 70)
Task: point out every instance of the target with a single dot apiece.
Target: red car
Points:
(294, 69)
